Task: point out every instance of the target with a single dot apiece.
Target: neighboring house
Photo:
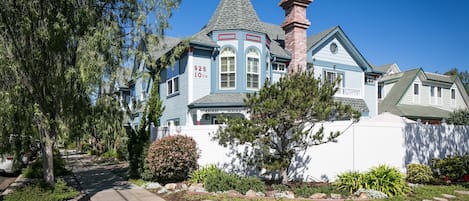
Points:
(236, 54)
(420, 95)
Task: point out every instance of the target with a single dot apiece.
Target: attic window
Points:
(334, 48)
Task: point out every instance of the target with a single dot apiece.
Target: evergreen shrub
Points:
(419, 174)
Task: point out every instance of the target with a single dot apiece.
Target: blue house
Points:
(236, 54)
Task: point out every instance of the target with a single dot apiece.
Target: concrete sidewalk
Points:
(100, 184)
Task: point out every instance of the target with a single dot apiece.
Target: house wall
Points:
(386, 89)
(359, 148)
(240, 41)
(409, 97)
(342, 56)
(175, 105)
(371, 98)
(200, 71)
(425, 98)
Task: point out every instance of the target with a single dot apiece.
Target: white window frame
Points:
(276, 66)
(416, 97)
(337, 75)
(173, 82)
(227, 52)
(453, 98)
(253, 54)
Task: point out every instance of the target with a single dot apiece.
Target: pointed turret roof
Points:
(235, 15)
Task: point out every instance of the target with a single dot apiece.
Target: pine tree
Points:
(282, 118)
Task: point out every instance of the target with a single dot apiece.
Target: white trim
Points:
(227, 54)
(173, 90)
(254, 54)
(277, 67)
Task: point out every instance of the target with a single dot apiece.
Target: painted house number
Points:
(200, 71)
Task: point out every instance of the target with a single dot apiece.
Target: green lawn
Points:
(429, 192)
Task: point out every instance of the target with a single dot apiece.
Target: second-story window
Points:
(227, 69)
(416, 89)
(453, 94)
(253, 69)
(173, 79)
(331, 76)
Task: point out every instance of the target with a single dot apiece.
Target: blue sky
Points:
(432, 34)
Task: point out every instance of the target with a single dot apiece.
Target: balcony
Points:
(349, 92)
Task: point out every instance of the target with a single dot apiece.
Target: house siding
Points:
(175, 105)
(341, 57)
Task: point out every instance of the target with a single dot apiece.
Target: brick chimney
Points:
(295, 26)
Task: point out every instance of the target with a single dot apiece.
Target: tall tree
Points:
(463, 76)
(283, 116)
(59, 50)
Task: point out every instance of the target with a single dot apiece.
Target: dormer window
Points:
(227, 68)
(416, 89)
(253, 69)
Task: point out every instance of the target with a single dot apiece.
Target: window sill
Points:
(172, 95)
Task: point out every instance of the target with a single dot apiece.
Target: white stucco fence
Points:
(390, 140)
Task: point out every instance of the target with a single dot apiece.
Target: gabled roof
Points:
(398, 90)
(317, 41)
(385, 68)
(277, 36)
(165, 44)
(404, 80)
(235, 15)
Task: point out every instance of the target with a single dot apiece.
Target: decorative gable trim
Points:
(227, 36)
(338, 33)
(253, 38)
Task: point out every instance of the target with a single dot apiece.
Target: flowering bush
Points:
(172, 158)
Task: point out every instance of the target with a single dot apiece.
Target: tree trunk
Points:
(48, 159)
(284, 174)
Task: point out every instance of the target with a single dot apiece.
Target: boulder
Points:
(336, 196)
(260, 194)
(197, 188)
(152, 185)
(162, 191)
(233, 193)
(251, 194)
(171, 186)
(286, 194)
(318, 196)
(363, 196)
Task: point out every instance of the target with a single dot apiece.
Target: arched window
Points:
(227, 68)
(253, 69)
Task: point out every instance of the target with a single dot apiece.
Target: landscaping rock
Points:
(448, 196)
(286, 194)
(233, 193)
(270, 194)
(462, 192)
(318, 196)
(336, 196)
(440, 199)
(163, 191)
(152, 185)
(260, 194)
(183, 187)
(251, 194)
(171, 186)
(197, 188)
(363, 196)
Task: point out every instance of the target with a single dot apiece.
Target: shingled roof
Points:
(403, 81)
(235, 15)
(220, 100)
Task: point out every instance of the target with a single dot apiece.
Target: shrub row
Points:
(454, 168)
(216, 180)
(382, 178)
(36, 192)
